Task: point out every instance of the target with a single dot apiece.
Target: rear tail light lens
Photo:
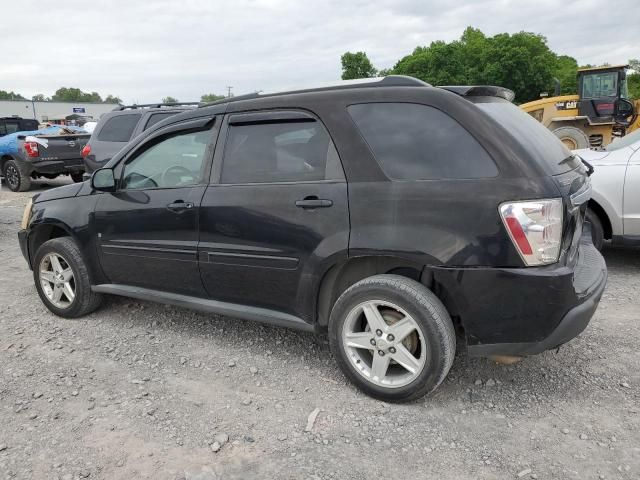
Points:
(535, 227)
(31, 148)
(86, 150)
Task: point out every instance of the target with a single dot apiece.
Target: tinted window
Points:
(531, 134)
(417, 142)
(279, 152)
(12, 126)
(174, 162)
(119, 128)
(157, 117)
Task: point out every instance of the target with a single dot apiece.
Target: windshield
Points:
(596, 85)
(530, 133)
(630, 140)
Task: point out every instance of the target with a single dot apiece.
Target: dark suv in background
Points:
(394, 215)
(116, 128)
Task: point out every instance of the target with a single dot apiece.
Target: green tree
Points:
(633, 79)
(211, 97)
(65, 94)
(4, 95)
(565, 71)
(39, 97)
(356, 65)
(112, 99)
(169, 100)
(521, 62)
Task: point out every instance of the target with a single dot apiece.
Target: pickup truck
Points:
(44, 153)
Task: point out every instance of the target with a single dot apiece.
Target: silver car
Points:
(614, 208)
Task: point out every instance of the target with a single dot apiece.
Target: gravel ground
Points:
(140, 390)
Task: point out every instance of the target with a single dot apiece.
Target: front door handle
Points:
(179, 206)
(313, 202)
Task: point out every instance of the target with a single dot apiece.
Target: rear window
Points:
(156, 118)
(119, 128)
(531, 134)
(418, 142)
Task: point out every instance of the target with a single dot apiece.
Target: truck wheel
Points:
(597, 231)
(392, 337)
(16, 179)
(62, 279)
(77, 177)
(572, 137)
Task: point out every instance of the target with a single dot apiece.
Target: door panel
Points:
(632, 197)
(258, 248)
(143, 241)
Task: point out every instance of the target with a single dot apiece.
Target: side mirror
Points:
(103, 180)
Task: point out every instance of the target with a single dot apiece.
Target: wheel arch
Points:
(602, 215)
(342, 275)
(43, 232)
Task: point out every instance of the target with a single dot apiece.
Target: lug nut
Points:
(373, 342)
(391, 338)
(379, 332)
(381, 353)
(392, 350)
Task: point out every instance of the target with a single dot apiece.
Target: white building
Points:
(53, 111)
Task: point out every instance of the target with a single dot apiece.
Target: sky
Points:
(144, 50)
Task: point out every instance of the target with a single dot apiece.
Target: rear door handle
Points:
(179, 206)
(313, 202)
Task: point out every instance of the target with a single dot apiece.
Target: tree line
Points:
(522, 62)
(65, 94)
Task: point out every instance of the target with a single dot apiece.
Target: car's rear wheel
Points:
(392, 337)
(15, 178)
(62, 279)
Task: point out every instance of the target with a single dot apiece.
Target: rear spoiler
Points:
(481, 91)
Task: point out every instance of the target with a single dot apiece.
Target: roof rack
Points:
(480, 91)
(388, 81)
(157, 105)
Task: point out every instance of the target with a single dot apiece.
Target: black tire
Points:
(572, 137)
(428, 312)
(77, 177)
(597, 230)
(15, 177)
(85, 301)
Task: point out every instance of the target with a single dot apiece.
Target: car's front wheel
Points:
(62, 279)
(392, 337)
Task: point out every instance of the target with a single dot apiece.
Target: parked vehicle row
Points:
(405, 220)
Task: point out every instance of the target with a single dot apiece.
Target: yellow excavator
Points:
(601, 112)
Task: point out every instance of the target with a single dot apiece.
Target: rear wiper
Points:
(590, 168)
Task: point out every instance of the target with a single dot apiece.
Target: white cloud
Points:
(143, 51)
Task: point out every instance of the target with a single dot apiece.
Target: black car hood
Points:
(57, 193)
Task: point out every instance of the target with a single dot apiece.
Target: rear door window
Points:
(119, 128)
(295, 151)
(418, 142)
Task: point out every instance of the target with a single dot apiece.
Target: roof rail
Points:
(156, 105)
(388, 81)
(480, 91)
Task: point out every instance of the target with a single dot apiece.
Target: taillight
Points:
(31, 148)
(535, 227)
(86, 150)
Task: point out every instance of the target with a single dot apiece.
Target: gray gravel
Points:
(140, 390)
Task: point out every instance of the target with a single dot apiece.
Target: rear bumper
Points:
(74, 165)
(530, 310)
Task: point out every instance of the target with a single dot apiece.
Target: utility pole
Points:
(229, 91)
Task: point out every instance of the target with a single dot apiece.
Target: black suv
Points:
(116, 128)
(394, 215)
(17, 124)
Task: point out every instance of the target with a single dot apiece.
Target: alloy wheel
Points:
(384, 343)
(57, 280)
(12, 176)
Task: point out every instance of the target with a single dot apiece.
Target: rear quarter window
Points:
(119, 128)
(417, 142)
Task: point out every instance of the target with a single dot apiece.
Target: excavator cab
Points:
(604, 96)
